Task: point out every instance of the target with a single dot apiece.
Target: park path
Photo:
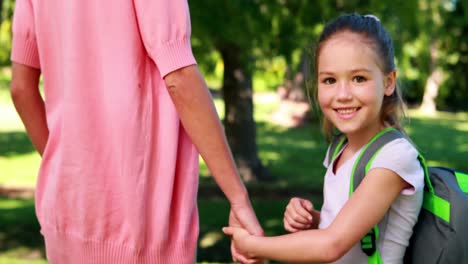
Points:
(17, 192)
(9, 119)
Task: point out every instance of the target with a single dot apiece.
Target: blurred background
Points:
(256, 57)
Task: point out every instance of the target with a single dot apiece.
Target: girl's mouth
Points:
(347, 113)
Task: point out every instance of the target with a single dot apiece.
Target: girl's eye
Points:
(329, 81)
(359, 79)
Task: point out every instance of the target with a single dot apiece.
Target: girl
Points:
(358, 95)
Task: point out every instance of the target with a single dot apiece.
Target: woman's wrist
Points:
(239, 197)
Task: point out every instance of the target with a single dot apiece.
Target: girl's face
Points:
(351, 85)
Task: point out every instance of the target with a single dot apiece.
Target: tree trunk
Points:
(238, 121)
(295, 83)
(1, 12)
(431, 90)
(294, 105)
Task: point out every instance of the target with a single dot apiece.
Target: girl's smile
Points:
(347, 113)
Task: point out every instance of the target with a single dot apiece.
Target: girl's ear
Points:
(390, 83)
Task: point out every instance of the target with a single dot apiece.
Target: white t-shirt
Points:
(396, 227)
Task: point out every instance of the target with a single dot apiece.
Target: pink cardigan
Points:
(119, 175)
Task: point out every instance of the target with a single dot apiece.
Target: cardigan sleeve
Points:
(24, 45)
(165, 30)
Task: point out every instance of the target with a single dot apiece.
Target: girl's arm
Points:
(365, 208)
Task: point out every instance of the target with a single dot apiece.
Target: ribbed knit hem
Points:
(174, 55)
(24, 51)
(67, 249)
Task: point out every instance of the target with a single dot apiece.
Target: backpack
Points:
(441, 232)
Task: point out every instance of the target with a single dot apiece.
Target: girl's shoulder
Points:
(400, 145)
(401, 157)
(400, 150)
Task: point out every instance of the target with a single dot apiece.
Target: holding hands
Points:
(244, 229)
(243, 221)
(239, 247)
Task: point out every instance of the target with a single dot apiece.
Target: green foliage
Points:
(443, 139)
(413, 66)
(5, 41)
(5, 76)
(7, 9)
(6, 14)
(271, 74)
(19, 235)
(212, 68)
(271, 33)
(220, 23)
(454, 92)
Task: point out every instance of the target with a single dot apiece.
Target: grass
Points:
(293, 156)
(6, 260)
(19, 162)
(19, 234)
(5, 75)
(442, 139)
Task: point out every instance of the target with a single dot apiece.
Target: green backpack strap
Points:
(462, 179)
(360, 169)
(335, 146)
(370, 151)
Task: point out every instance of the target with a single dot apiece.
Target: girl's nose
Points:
(344, 91)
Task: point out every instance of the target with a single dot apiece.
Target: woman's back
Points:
(119, 173)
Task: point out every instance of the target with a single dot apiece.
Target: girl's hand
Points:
(244, 218)
(239, 237)
(300, 215)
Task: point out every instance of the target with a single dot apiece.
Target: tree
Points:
(238, 121)
(454, 92)
(434, 10)
(231, 28)
(431, 90)
(6, 13)
(244, 31)
(1, 11)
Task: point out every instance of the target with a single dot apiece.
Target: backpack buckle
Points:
(368, 243)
